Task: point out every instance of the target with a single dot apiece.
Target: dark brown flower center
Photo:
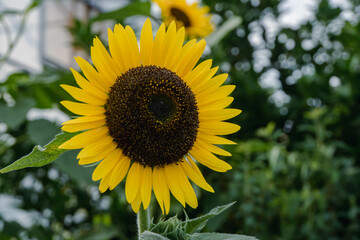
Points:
(152, 115)
(180, 16)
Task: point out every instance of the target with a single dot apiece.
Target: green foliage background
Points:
(295, 170)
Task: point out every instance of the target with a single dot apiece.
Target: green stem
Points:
(18, 35)
(143, 220)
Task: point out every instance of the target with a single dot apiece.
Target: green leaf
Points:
(135, 8)
(152, 236)
(40, 156)
(34, 4)
(15, 115)
(196, 224)
(219, 236)
(224, 29)
(171, 228)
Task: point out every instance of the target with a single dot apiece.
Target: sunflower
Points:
(195, 19)
(150, 115)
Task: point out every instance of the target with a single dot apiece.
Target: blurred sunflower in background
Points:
(150, 114)
(195, 19)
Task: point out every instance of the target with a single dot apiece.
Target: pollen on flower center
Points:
(180, 16)
(152, 115)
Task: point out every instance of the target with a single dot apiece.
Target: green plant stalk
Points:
(143, 220)
(18, 35)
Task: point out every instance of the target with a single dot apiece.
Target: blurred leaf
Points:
(3, 13)
(10, 229)
(34, 4)
(274, 156)
(223, 30)
(42, 131)
(252, 146)
(315, 113)
(15, 115)
(196, 224)
(134, 8)
(67, 162)
(82, 35)
(41, 156)
(152, 236)
(219, 236)
(267, 131)
(103, 234)
(43, 88)
(15, 78)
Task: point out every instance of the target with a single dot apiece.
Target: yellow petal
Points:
(212, 148)
(218, 128)
(88, 87)
(218, 115)
(186, 187)
(119, 171)
(96, 148)
(91, 74)
(146, 42)
(208, 159)
(146, 186)
(133, 181)
(133, 46)
(169, 44)
(182, 54)
(215, 139)
(106, 165)
(194, 77)
(173, 184)
(83, 108)
(164, 187)
(190, 60)
(172, 58)
(83, 123)
(98, 157)
(104, 183)
(85, 119)
(215, 96)
(125, 44)
(158, 46)
(117, 52)
(82, 96)
(157, 189)
(104, 64)
(107, 63)
(85, 138)
(194, 174)
(135, 205)
(82, 126)
(223, 103)
(209, 83)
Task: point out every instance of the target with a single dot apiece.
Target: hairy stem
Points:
(143, 220)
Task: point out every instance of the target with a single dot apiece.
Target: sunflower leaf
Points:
(171, 228)
(40, 156)
(219, 236)
(135, 8)
(152, 236)
(194, 225)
